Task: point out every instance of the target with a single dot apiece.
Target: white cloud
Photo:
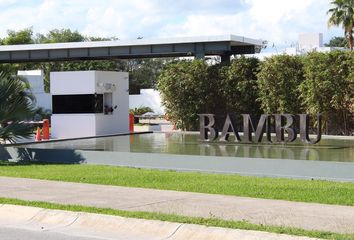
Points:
(277, 21)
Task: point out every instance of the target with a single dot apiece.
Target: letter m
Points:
(262, 126)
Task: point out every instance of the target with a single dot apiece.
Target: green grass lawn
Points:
(183, 219)
(327, 192)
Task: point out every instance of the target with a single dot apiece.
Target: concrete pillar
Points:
(225, 58)
(199, 55)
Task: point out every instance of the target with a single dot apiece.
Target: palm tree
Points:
(16, 105)
(342, 13)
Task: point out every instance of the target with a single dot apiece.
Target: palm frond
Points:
(16, 130)
(16, 105)
(342, 14)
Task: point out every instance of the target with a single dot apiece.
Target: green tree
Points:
(350, 96)
(9, 68)
(337, 42)
(60, 36)
(67, 35)
(23, 36)
(100, 65)
(183, 92)
(144, 73)
(95, 39)
(239, 86)
(278, 82)
(215, 99)
(328, 88)
(342, 13)
(16, 105)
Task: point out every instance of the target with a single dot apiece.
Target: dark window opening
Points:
(83, 103)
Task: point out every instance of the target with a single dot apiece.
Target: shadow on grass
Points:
(12, 156)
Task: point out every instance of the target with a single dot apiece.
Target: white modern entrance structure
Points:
(89, 103)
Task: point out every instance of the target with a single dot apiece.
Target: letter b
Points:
(205, 128)
(280, 127)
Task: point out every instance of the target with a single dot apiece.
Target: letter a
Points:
(225, 130)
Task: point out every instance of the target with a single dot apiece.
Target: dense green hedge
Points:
(313, 83)
(278, 81)
(329, 88)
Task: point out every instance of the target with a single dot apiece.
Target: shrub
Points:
(278, 82)
(140, 110)
(328, 88)
(183, 91)
(239, 86)
(314, 83)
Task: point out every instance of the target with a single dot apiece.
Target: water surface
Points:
(328, 149)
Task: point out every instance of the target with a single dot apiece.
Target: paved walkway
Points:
(308, 216)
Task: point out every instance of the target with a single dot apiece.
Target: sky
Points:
(277, 21)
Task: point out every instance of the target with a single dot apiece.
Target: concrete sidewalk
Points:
(42, 223)
(308, 216)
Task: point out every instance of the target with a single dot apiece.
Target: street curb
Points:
(115, 227)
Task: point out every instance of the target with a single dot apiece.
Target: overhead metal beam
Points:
(172, 47)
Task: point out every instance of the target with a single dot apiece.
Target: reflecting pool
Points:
(337, 149)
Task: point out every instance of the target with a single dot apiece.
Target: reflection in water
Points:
(328, 150)
(341, 150)
(259, 151)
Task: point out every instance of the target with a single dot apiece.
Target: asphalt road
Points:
(25, 234)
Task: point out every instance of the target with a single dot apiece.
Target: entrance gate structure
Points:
(199, 47)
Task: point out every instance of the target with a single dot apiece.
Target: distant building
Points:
(35, 79)
(308, 42)
(147, 98)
